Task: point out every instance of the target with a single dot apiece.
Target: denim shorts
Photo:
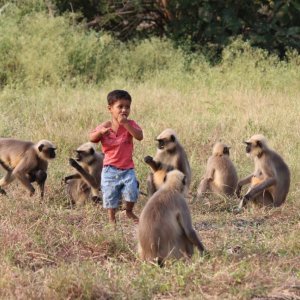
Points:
(117, 184)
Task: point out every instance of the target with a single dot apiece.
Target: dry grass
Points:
(50, 251)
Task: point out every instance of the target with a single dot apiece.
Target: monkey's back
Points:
(96, 172)
(225, 175)
(12, 150)
(283, 177)
(159, 232)
(184, 166)
(78, 191)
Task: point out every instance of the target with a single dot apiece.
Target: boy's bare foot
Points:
(129, 212)
(112, 215)
(131, 215)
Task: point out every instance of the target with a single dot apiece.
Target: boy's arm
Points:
(96, 134)
(135, 131)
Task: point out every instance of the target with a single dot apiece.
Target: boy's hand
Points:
(104, 130)
(122, 119)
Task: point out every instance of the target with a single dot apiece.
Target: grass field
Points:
(51, 251)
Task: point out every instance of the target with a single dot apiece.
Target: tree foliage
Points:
(270, 24)
(273, 25)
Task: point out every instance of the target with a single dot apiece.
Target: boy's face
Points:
(120, 109)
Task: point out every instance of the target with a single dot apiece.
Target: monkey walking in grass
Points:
(25, 161)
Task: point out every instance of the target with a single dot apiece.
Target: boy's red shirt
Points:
(118, 147)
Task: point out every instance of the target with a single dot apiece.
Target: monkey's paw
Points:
(2, 192)
(241, 205)
(248, 196)
(238, 191)
(148, 159)
(97, 200)
(32, 192)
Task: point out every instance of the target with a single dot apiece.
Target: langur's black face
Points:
(254, 148)
(84, 155)
(163, 143)
(226, 150)
(48, 152)
(79, 155)
(51, 152)
(248, 147)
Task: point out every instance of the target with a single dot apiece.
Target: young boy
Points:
(116, 136)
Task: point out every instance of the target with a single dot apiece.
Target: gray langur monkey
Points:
(270, 180)
(25, 161)
(165, 226)
(220, 176)
(170, 155)
(87, 179)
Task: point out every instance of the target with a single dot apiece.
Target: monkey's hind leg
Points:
(264, 200)
(5, 167)
(203, 187)
(242, 203)
(2, 192)
(7, 179)
(40, 177)
(24, 180)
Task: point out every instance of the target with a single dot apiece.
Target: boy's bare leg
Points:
(112, 215)
(129, 212)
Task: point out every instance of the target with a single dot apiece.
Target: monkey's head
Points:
(256, 145)
(167, 140)
(85, 152)
(175, 180)
(45, 149)
(220, 149)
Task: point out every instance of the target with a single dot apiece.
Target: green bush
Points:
(38, 49)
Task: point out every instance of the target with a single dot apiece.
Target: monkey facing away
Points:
(170, 155)
(270, 180)
(88, 165)
(220, 176)
(26, 161)
(165, 226)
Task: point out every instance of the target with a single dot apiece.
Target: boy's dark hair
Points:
(116, 95)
